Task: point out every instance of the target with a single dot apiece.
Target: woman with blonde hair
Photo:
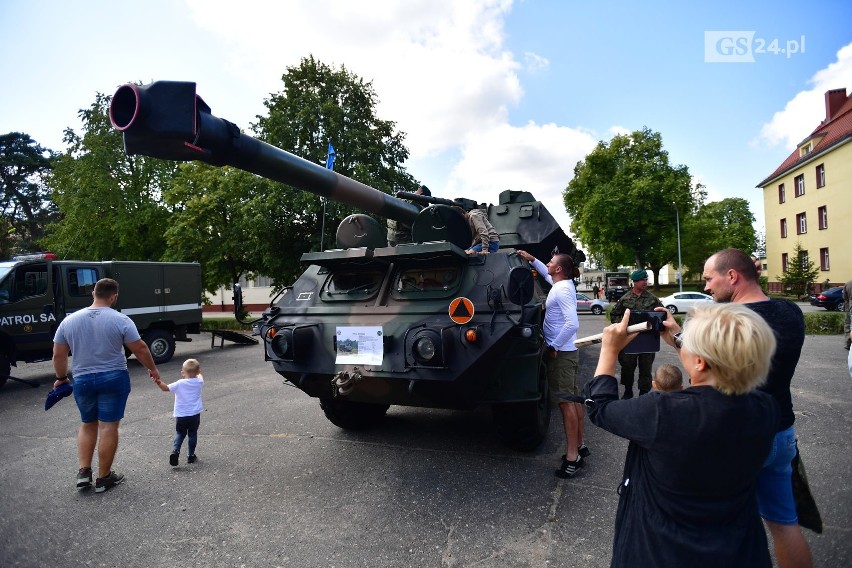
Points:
(687, 497)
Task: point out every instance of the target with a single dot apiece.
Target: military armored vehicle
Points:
(37, 291)
(369, 325)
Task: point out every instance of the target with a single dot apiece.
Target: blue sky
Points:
(492, 94)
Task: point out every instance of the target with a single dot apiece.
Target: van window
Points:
(81, 281)
(30, 280)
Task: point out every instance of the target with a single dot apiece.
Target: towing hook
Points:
(344, 383)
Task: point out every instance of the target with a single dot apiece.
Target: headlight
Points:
(282, 344)
(426, 347)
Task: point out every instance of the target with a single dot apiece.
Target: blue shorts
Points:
(775, 481)
(102, 396)
(493, 246)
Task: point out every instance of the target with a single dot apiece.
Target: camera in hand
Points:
(646, 341)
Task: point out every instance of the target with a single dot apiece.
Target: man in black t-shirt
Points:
(730, 276)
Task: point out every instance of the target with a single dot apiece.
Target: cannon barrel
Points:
(167, 119)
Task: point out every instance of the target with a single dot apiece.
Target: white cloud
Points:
(807, 109)
(535, 158)
(438, 67)
(534, 62)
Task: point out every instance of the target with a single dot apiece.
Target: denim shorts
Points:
(102, 396)
(775, 483)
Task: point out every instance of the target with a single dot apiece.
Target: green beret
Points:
(640, 274)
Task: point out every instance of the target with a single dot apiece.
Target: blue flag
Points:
(329, 162)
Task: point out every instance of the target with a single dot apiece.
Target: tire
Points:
(5, 370)
(597, 310)
(672, 309)
(523, 426)
(161, 343)
(839, 306)
(352, 415)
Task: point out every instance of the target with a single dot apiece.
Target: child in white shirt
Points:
(188, 408)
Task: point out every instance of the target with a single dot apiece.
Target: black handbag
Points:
(806, 507)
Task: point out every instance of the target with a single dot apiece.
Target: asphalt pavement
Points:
(278, 485)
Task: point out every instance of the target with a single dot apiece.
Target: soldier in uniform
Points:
(399, 232)
(636, 299)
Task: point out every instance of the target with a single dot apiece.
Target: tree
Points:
(24, 196)
(800, 274)
(212, 222)
(716, 226)
(111, 203)
(622, 201)
(319, 105)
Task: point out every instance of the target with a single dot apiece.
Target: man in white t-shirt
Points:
(561, 356)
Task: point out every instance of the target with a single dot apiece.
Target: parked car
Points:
(831, 299)
(586, 304)
(683, 301)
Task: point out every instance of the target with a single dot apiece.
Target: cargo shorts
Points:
(562, 374)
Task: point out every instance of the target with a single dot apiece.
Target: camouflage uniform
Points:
(646, 302)
(398, 232)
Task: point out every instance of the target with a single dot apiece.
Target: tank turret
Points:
(167, 119)
(369, 325)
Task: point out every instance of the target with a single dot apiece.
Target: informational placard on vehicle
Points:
(361, 345)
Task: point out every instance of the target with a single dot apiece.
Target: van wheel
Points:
(5, 370)
(161, 343)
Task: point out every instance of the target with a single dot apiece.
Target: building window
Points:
(783, 228)
(823, 259)
(820, 175)
(262, 281)
(801, 223)
(782, 195)
(823, 217)
(784, 259)
(800, 185)
(805, 150)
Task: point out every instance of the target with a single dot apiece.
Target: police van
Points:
(37, 291)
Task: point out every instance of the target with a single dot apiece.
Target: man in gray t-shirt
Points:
(97, 337)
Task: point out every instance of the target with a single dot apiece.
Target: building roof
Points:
(834, 130)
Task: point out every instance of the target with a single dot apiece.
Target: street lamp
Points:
(679, 262)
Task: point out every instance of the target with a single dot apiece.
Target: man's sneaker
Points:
(584, 451)
(569, 468)
(173, 459)
(84, 478)
(108, 482)
(192, 459)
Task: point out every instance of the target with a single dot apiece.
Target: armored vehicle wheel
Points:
(523, 425)
(161, 343)
(352, 415)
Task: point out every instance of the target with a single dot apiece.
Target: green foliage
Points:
(209, 324)
(623, 201)
(801, 273)
(824, 323)
(716, 226)
(211, 216)
(319, 104)
(25, 202)
(111, 203)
